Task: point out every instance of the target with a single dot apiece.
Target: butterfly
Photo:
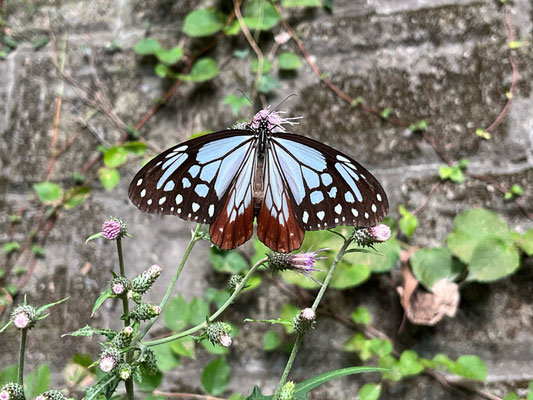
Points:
(289, 183)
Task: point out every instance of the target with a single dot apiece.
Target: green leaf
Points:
(525, 242)
(384, 260)
(361, 316)
(137, 148)
(219, 297)
(202, 22)
(198, 311)
(227, 261)
(492, 259)
(48, 192)
(386, 113)
(147, 46)
(236, 396)
(260, 15)
(289, 61)
(106, 294)
(271, 341)
(347, 276)
(38, 381)
(418, 126)
(370, 391)
(453, 173)
(517, 190)
(9, 374)
(289, 312)
(213, 348)
(171, 56)
(184, 347)
(38, 251)
(233, 29)
(166, 358)
(162, 71)
(203, 70)
(236, 102)
(432, 265)
(408, 222)
(360, 345)
(409, 363)
(468, 366)
(300, 3)
(109, 178)
(215, 377)
(177, 313)
(511, 396)
(515, 44)
(267, 65)
(267, 83)
(11, 247)
(115, 156)
(75, 196)
(9, 42)
(149, 382)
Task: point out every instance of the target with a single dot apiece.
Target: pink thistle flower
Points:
(40, 397)
(274, 120)
(118, 288)
(113, 229)
(107, 364)
(308, 314)
(302, 262)
(21, 320)
(380, 232)
(225, 340)
(4, 395)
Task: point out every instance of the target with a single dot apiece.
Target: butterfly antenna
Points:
(280, 104)
(247, 98)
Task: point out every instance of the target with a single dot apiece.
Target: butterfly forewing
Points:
(192, 179)
(328, 188)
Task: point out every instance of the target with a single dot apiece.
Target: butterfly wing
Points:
(327, 188)
(192, 179)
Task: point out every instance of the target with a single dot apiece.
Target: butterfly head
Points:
(271, 121)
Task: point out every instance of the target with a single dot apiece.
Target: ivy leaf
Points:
(48, 192)
(137, 148)
(409, 363)
(115, 156)
(198, 311)
(492, 259)
(469, 366)
(171, 56)
(260, 15)
(147, 46)
(215, 377)
(109, 178)
(203, 70)
(202, 22)
(271, 341)
(289, 61)
(408, 222)
(361, 316)
(162, 71)
(432, 265)
(177, 313)
(166, 358)
(184, 347)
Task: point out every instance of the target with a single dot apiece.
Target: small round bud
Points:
(12, 391)
(366, 237)
(51, 395)
(109, 359)
(234, 281)
(119, 285)
(125, 371)
(287, 391)
(218, 333)
(123, 337)
(142, 282)
(24, 316)
(114, 228)
(304, 321)
(148, 362)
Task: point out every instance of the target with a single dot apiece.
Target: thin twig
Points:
(426, 200)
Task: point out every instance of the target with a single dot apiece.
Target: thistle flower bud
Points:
(12, 391)
(123, 338)
(234, 281)
(114, 228)
(149, 362)
(145, 311)
(304, 321)
(119, 285)
(51, 395)
(24, 316)
(375, 234)
(303, 263)
(287, 391)
(125, 371)
(142, 282)
(109, 359)
(218, 333)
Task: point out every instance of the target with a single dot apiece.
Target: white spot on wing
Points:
(201, 190)
(193, 171)
(326, 179)
(332, 192)
(378, 196)
(321, 215)
(316, 197)
(139, 181)
(162, 200)
(374, 208)
(355, 212)
(195, 206)
(143, 192)
(366, 215)
(338, 208)
(149, 202)
(179, 199)
(186, 183)
(305, 217)
(343, 159)
(348, 196)
(211, 210)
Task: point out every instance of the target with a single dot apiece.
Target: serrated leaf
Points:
(202, 22)
(432, 265)
(215, 377)
(492, 259)
(149, 382)
(203, 70)
(48, 192)
(289, 61)
(106, 294)
(109, 178)
(147, 46)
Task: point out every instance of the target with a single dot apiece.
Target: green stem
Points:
(201, 326)
(184, 259)
(299, 338)
(21, 357)
(129, 382)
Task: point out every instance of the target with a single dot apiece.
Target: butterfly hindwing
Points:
(192, 178)
(328, 188)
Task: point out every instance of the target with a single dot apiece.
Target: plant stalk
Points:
(22, 349)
